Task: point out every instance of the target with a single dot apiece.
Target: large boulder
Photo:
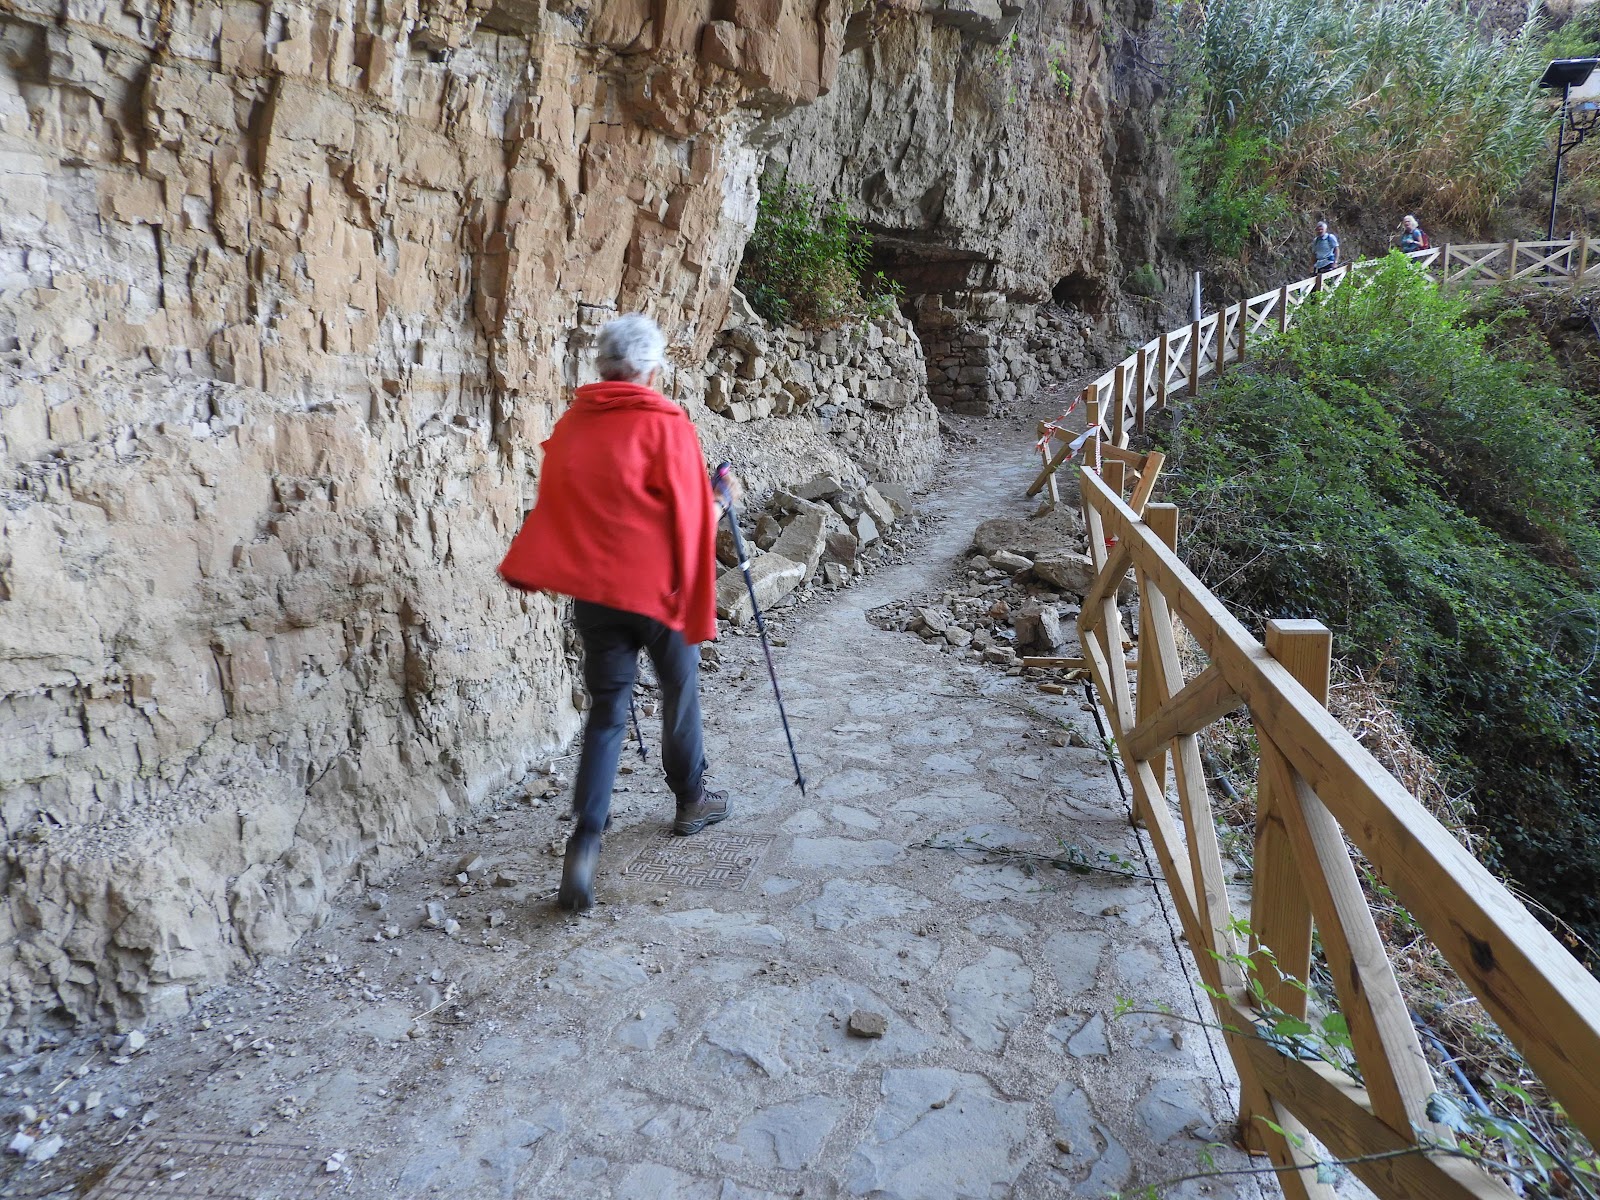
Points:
(774, 577)
(1011, 564)
(803, 541)
(865, 529)
(819, 487)
(899, 498)
(1038, 627)
(842, 547)
(1027, 538)
(727, 555)
(875, 506)
(1065, 569)
(1073, 573)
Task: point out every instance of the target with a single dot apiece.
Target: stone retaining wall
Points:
(786, 402)
(985, 354)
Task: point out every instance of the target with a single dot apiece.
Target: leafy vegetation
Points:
(1378, 102)
(1392, 469)
(1494, 1138)
(1229, 194)
(1143, 280)
(810, 264)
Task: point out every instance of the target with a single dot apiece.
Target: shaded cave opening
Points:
(1081, 292)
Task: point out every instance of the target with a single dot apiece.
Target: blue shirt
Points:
(1326, 249)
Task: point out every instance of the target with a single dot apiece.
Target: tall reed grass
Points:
(1402, 103)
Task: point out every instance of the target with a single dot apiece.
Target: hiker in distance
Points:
(1324, 249)
(625, 523)
(1411, 235)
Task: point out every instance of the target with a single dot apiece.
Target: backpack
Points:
(1426, 245)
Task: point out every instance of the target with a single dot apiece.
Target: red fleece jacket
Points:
(625, 515)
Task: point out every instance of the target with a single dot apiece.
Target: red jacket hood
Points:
(612, 395)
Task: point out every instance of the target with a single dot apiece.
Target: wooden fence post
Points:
(1283, 309)
(1280, 914)
(1047, 464)
(1163, 522)
(1141, 382)
(1113, 471)
(1511, 268)
(1244, 327)
(1583, 263)
(1163, 356)
(1091, 417)
(1119, 417)
(1280, 911)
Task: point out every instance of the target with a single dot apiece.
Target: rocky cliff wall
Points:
(289, 295)
(1003, 157)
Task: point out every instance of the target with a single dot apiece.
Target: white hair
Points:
(630, 348)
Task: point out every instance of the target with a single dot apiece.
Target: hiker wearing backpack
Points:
(1324, 249)
(1412, 238)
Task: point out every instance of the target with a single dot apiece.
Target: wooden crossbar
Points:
(1204, 700)
(1262, 308)
(1519, 272)
(1338, 1110)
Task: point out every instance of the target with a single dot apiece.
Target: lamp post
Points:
(1566, 74)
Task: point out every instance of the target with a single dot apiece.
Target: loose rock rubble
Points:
(822, 530)
(1017, 595)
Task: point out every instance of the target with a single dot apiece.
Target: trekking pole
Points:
(633, 711)
(722, 481)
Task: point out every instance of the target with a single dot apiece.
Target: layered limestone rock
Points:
(289, 295)
(1002, 155)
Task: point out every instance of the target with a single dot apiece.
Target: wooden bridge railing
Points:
(1179, 359)
(1316, 786)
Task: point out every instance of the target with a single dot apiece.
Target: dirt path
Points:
(691, 1039)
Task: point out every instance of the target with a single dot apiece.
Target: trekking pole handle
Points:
(722, 481)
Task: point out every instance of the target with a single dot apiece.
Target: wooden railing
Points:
(1316, 787)
(1165, 366)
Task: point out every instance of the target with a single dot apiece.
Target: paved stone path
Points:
(689, 1039)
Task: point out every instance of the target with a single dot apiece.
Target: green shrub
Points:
(1143, 281)
(1384, 470)
(1230, 193)
(1577, 38)
(810, 264)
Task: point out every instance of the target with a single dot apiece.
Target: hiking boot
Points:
(695, 815)
(577, 873)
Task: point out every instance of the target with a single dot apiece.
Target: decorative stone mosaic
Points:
(197, 1166)
(708, 860)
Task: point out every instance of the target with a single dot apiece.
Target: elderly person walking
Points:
(1324, 249)
(625, 524)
